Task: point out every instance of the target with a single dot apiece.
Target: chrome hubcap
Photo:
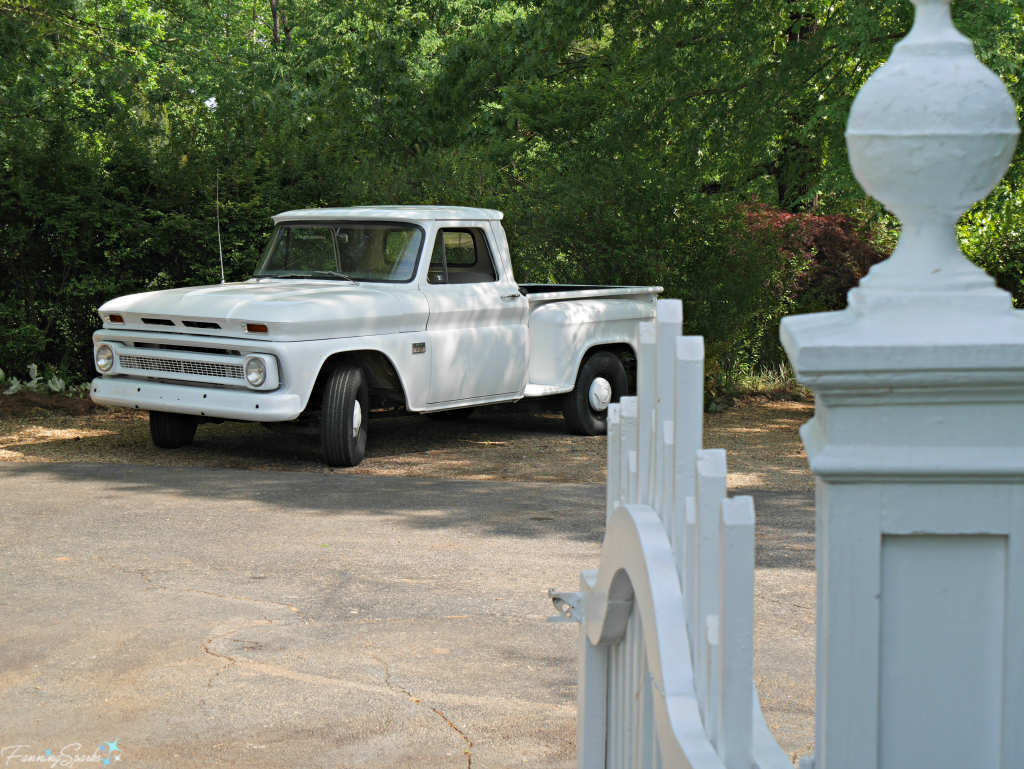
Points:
(600, 394)
(357, 419)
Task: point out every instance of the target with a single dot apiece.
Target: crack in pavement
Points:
(397, 688)
(230, 659)
(205, 646)
(155, 586)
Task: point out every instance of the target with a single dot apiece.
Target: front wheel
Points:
(601, 381)
(171, 431)
(345, 416)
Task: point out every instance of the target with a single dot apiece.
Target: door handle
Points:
(510, 296)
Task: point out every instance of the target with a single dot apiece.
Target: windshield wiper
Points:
(323, 274)
(332, 275)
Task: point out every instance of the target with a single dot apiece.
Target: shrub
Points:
(824, 255)
(832, 253)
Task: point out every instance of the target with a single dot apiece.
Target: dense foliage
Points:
(625, 142)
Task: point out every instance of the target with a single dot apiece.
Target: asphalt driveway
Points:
(191, 617)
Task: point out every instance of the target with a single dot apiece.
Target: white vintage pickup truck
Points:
(356, 309)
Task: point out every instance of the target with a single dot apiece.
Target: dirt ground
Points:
(522, 442)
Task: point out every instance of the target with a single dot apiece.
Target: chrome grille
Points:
(172, 366)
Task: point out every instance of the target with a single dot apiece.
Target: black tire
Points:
(453, 415)
(579, 414)
(172, 431)
(343, 442)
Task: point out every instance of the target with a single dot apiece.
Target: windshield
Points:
(342, 251)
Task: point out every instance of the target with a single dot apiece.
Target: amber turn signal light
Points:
(115, 319)
(255, 328)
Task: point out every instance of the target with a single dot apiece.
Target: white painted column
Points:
(918, 438)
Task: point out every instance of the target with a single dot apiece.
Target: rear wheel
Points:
(452, 415)
(344, 417)
(172, 431)
(601, 381)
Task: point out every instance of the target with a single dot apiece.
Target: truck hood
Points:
(293, 310)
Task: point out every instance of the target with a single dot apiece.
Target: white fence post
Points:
(646, 390)
(591, 695)
(627, 457)
(669, 325)
(613, 491)
(688, 440)
(917, 440)
(736, 630)
(711, 490)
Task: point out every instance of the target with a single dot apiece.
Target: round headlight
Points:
(256, 371)
(104, 358)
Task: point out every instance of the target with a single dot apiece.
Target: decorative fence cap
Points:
(930, 134)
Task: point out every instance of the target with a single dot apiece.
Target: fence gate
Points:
(667, 620)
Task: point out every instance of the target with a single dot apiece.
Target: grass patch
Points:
(773, 384)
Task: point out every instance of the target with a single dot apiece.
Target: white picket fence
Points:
(666, 638)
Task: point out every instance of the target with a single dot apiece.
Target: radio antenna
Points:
(219, 248)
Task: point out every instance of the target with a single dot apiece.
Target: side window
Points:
(461, 256)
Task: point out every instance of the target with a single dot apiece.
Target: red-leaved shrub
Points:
(830, 254)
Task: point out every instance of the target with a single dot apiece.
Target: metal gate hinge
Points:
(567, 605)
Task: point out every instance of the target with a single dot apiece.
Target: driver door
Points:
(475, 325)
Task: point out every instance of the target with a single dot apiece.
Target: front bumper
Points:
(244, 405)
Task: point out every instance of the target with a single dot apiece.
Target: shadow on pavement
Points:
(784, 528)
(498, 508)
(785, 520)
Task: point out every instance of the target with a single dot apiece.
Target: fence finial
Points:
(930, 134)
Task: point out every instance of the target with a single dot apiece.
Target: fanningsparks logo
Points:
(70, 755)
